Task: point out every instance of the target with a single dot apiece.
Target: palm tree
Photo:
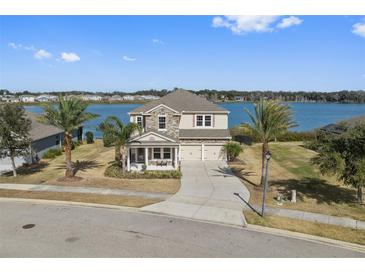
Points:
(271, 119)
(118, 133)
(69, 114)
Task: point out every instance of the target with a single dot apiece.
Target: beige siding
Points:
(220, 121)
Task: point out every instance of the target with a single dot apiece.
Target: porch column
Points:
(175, 158)
(128, 159)
(146, 156)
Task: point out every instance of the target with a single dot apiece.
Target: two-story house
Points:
(179, 126)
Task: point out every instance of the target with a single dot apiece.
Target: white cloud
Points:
(241, 24)
(129, 59)
(32, 48)
(14, 45)
(42, 54)
(289, 22)
(359, 29)
(69, 57)
(158, 41)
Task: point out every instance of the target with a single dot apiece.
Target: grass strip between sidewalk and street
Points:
(131, 201)
(323, 230)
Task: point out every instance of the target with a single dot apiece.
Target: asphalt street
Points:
(56, 230)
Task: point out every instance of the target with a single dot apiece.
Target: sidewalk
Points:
(90, 190)
(313, 217)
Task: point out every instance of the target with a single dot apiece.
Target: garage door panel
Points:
(190, 152)
(214, 152)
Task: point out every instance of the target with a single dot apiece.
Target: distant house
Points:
(27, 98)
(92, 97)
(46, 98)
(10, 99)
(44, 137)
(116, 98)
(149, 97)
(128, 97)
(239, 98)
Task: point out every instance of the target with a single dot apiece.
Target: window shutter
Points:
(213, 122)
(193, 120)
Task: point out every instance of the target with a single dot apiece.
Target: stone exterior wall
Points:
(172, 121)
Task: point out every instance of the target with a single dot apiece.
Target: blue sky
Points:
(128, 53)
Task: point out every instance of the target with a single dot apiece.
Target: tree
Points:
(69, 114)
(14, 133)
(271, 119)
(117, 133)
(233, 149)
(343, 155)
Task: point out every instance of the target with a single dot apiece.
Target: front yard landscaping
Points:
(90, 161)
(290, 169)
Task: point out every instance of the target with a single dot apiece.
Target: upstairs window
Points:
(199, 120)
(162, 122)
(204, 120)
(140, 121)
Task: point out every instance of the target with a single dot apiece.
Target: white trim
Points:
(203, 112)
(161, 153)
(160, 106)
(154, 133)
(139, 116)
(207, 138)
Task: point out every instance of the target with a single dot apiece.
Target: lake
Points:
(308, 115)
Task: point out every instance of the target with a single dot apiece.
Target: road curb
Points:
(307, 237)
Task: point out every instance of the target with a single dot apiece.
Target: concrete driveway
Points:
(207, 193)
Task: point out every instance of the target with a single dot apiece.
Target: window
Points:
(204, 120)
(208, 121)
(139, 121)
(157, 153)
(167, 153)
(199, 120)
(162, 122)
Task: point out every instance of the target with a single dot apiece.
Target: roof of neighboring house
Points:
(204, 133)
(40, 130)
(341, 126)
(181, 100)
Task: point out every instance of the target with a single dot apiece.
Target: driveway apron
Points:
(208, 192)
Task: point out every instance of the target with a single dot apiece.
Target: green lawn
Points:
(290, 169)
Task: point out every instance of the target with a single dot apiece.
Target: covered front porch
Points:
(161, 157)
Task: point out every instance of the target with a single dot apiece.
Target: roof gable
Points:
(151, 137)
(182, 101)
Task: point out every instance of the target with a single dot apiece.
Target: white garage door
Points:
(190, 152)
(213, 152)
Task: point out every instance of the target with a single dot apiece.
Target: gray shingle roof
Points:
(181, 100)
(39, 130)
(204, 133)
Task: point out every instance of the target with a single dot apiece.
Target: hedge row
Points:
(116, 171)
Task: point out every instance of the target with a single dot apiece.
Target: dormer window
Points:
(203, 120)
(161, 122)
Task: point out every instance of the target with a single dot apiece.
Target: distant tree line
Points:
(343, 96)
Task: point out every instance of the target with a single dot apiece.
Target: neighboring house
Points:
(149, 97)
(128, 97)
(46, 98)
(27, 98)
(239, 98)
(92, 98)
(116, 98)
(9, 99)
(179, 126)
(44, 137)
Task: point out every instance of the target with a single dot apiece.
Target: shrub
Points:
(108, 140)
(89, 137)
(117, 172)
(52, 153)
(78, 143)
(233, 149)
